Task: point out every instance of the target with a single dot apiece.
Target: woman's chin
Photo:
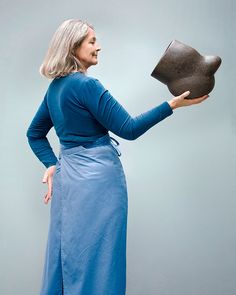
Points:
(93, 63)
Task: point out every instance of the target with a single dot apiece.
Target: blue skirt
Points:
(86, 246)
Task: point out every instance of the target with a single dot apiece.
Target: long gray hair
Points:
(60, 59)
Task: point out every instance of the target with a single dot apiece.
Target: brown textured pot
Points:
(182, 68)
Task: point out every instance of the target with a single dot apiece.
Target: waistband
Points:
(103, 140)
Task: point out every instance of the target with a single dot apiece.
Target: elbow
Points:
(33, 136)
(133, 137)
(30, 138)
(29, 134)
(130, 135)
(129, 131)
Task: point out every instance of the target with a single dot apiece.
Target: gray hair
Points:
(60, 59)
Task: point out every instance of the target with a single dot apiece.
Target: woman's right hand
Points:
(47, 178)
(181, 101)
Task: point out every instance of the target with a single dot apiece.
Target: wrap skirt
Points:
(86, 244)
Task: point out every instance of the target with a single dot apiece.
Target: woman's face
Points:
(87, 52)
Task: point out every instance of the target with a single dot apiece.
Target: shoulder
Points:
(92, 85)
(82, 80)
(91, 81)
(81, 77)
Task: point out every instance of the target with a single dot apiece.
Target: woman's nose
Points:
(98, 48)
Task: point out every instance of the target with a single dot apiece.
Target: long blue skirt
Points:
(86, 246)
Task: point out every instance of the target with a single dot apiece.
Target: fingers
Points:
(181, 101)
(47, 178)
(46, 198)
(48, 195)
(195, 99)
(199, 99)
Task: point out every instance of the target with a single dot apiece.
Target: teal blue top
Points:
(82, 110)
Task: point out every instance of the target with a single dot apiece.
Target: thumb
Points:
(185, 94)
(45, 177)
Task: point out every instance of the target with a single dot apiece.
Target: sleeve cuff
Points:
(165, 110)
(47, 165)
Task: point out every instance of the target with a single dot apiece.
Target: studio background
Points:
(180, 174)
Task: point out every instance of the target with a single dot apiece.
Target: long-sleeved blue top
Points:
(81, 110)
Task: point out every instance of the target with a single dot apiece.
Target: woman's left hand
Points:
(47, 178)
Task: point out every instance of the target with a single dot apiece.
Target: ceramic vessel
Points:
(182, 68)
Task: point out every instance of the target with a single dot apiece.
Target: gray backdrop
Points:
(180, 174)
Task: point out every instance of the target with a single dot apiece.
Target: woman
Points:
(86, 247)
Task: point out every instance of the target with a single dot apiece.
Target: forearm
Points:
(43, 151)
(138, 125)
(36, 134)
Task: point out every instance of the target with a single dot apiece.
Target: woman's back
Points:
(73, 122)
